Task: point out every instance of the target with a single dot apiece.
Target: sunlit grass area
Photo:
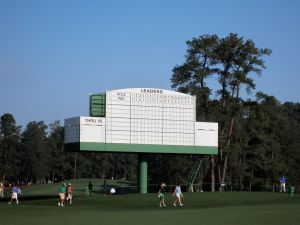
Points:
(38, 205)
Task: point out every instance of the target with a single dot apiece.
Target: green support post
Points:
(143, 173)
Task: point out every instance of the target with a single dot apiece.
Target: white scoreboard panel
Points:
(85, 129)
(206, 134)
(150, 116)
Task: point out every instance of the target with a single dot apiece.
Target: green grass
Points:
(39, 206)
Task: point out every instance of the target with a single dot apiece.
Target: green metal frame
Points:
(194, 173)
(139, 148)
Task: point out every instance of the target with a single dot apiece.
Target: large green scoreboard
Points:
(141, 120)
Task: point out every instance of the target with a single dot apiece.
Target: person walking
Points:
(69, 193)
(161, 195)
(62, 194)
(178, 195)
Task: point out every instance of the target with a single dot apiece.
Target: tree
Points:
(290, 138)
(232, 59)
(200, 64)
(36, 152)
(9, 142)
(239, 59)
(58, 158)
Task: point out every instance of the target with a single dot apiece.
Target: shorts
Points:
(14, 196)
(178, 195)
(62, 196)
(69, 197)
(161, 197)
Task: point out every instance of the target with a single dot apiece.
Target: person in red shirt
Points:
(69, 193)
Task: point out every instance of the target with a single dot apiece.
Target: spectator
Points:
(1, 190)
(282, 181)
(14, 194)
(90, 187)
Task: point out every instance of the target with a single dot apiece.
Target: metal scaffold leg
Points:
(143, 173)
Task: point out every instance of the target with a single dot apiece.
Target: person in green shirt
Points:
(161, 195)
(62, 194)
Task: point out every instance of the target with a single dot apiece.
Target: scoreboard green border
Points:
(139, 148)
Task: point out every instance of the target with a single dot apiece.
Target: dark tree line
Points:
(259, 138)
(36, 155)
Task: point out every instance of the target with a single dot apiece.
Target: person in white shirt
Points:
(178, 195)
(112, 191)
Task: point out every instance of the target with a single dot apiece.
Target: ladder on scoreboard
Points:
(194, 173)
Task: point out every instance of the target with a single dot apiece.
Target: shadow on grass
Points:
(31, 198)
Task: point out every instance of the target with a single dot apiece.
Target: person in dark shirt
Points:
(105, 188)
(90, 186)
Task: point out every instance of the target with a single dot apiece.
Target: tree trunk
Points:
(103, 173)
(226, 147)
(241, 183)
(53, 173)
(212, 170)
(251, 178)
(62, 173)
(240, 174)
(75, 166)
(223, 174)
(272, 167)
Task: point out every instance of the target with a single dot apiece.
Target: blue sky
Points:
(53, 54)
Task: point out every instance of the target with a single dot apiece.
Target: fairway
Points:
(233, 208)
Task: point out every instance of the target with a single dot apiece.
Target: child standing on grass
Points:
(178, 195)
(69, 193)
(62, 194)
(161, 195)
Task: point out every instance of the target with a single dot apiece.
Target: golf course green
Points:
(38, 206)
